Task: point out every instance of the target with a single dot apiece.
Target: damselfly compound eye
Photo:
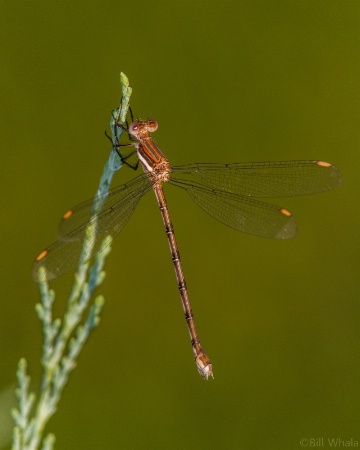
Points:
(152, 125)
(134, 128)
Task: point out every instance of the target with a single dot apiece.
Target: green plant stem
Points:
(63, 339)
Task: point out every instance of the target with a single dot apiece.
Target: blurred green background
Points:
(227, 81)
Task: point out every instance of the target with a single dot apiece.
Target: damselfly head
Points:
(140, 127)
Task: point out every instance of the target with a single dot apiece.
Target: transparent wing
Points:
(242, 213)
(264, 179)
(82, 234)
(80, 214)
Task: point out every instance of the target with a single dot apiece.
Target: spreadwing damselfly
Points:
(227, 192)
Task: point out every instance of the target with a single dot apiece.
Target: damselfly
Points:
(225, 191)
